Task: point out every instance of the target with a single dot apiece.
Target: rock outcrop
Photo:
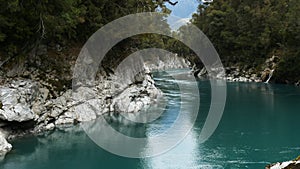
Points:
(34, 105)
(268, 68)
(16, 101)
(294, 164)
(169, 61)
(5, 147)
(237, 73)
(298, 83)
(232, 74)
(136, 97)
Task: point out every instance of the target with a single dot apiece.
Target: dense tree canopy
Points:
(24, 23)
(243, 31)
(249, 31)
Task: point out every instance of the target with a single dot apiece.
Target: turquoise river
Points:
(260, 125)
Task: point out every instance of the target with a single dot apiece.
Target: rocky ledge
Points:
(32, 106)
(236, 73)
(294, 164)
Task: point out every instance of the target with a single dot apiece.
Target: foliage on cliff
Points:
(25, 24)
(243, 31)
(249, 31)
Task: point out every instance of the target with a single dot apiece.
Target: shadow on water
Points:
(22, 147)
(67, 148)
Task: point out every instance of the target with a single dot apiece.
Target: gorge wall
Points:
(33, 104)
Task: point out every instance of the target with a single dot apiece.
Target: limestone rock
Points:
(136, 97)
(85, 112)
(63, 120)
(5, 147)
(16, 101)
(170, 61)
(8, 97)
(285, 165)
(50, 126)
(202, 72)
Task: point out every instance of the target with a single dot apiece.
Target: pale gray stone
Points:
(50, 126)
(5, 147)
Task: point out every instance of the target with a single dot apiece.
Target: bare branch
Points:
(42, 26)
(171, 3)
(5, 61)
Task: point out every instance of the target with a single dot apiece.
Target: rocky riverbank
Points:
(36, 101)
(31, 105)
(244, 73)
(294, 164)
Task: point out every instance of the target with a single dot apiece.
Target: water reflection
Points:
(186, 153)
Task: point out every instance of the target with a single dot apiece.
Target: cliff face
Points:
(32, 104)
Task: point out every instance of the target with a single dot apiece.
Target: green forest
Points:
(244, 32)
(25, 24)
(249, 31)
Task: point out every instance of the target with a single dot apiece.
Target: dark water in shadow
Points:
(260, 125)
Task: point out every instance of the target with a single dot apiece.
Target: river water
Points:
(260, 125)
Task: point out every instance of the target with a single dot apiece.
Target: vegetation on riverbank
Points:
(245, 33)
(249, 32)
